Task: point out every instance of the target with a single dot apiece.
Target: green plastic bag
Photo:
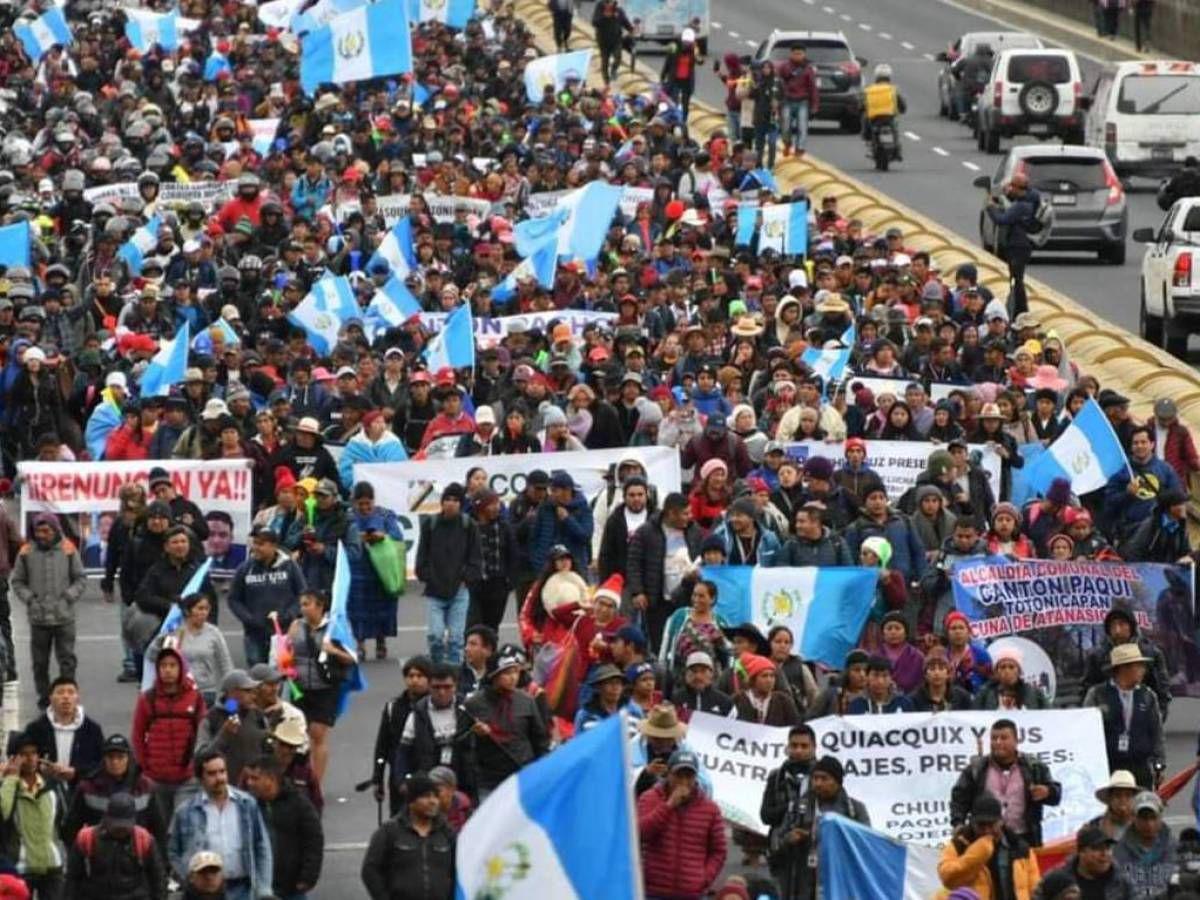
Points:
(390, 559)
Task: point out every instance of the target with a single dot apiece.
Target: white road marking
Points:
(939, 151)
(912, 136)
(970, 165)
(885, 35)
(846, 17)
(928, 56)
(716, 25)
(751, 44)
(734, 34)
(907, 46)
(828, 9)
(864, 26)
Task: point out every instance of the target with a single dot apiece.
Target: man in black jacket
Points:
(610, 24)
(66, 715)
(508, 728)
(183, 510)
(163, 585)
(497, 560)
(297, 841)
(1000, 765)
(1120, 627)
(649, 583)
(522, 513)
(623, 521)
(416, 671)
(411, 856)
(785, 806)
(436, 730)
(448, 563)
(117, 858)
(1018, 218)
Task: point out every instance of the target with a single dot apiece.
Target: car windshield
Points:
(1054, 69)
(1001, 41)
(821, 53)
(1049, 173)
(1159, 95)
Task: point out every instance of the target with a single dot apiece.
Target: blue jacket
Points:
(1122, 511)
(861, 706)
(1018, 216)
(769, 544)
(908, 556)
(309, 196)
(711, 402)
(574, 532)
(189, 835)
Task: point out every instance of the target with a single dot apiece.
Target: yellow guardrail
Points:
(1137, 369)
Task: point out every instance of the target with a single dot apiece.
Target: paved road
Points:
(941, 159)
(349, 817)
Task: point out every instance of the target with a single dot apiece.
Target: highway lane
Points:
(940, 157)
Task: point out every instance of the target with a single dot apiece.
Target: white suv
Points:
(1031, 91)
(1170, 301)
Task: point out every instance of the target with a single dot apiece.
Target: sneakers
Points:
(128, 677)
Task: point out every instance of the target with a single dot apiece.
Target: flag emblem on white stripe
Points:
(434, 6)
(780, 604)
(773, 228)
(1081, 461)
(351, 45)
(322, 321)
(505, 869)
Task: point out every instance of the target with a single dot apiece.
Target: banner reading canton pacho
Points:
(1058, 607)
(91, 491)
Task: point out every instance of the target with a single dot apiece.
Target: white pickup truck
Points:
(1170, 302)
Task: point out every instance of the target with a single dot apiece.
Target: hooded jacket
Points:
(165, 727)
(297, 841)
(908, 556)
(261, 588)
(49, 579)
(827, 550)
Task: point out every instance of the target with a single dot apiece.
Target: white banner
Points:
(542, 204)
(903, 766)
(938, 390)
(490, 331)
(898, 463)
(220, 487)
(210, 193)
(394, 207)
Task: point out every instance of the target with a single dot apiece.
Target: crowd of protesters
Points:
(214, 782)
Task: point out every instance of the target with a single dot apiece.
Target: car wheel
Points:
(1113, 253)
(1150, 327)
(979, 138)
(1173, 342)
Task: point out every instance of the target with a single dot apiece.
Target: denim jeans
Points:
(447, 620)
(734, 121)
(257, 646)
(795, 123)
(764, 140)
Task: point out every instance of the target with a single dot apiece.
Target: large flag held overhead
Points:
(279, 13)
(831, 363)
(145, 28)
(14, 244)
(167, 366)
(824, 607)
(340, 631)
(553, 71)
(784, 229)
(174, 619)
(858, 862)
(532, 233)
(368, 42)
(541, 265)
(391, 306)
(135, 250)
(321, 13)
(396, 249)
(564, 827)
(334, 294)
(263, 133)
(38, 35)
(589, 212)
(453, 13)
(321, 325)
(454, 345)
(1087, 454)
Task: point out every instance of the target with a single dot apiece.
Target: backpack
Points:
(143, 844)
(1040, 224)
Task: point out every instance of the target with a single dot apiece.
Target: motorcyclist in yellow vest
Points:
(882, 104)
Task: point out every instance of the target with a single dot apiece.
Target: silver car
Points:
(1090, 209)
(948, 74)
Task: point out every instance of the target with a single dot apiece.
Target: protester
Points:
(32, 807)
(448, 563)
(69, 741)
(1133, 727)
(1093, 868)
(293, 826)
(1117, 797)
(786, 809)
(411, 856)
(416, 671)
(985, 855)
(116, 858)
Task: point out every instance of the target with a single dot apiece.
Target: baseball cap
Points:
(699, 658)
(1092, 836)
(238, 680)
(205, 859)
(683, 759)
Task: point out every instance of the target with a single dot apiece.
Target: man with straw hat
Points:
(1133, 728)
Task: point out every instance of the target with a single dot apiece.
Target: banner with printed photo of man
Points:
(86, 497)
(1055, 609)
(903, 766)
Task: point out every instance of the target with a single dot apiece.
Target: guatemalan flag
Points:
(541, 264)
(368, 42)
(859, 862)
(391, 306)
(454, 345)
(135, 250)
(340, 631)
(564, 827)
(203, 342)
(396, 249)
(555, 70)
(532, 233)
(590, 210)
(334, 294)
(825, 607)
(454, 13)
(216, 65)
(321, 325)
(167, 366)
(15, 240)
(831, 364)
(174, 619)
(784, 229)
(1087, 454)
(322, 13)
(263, 133)
(747, 221)
(145, 28)
(38, 35)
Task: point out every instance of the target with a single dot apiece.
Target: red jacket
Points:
(442, 425)
(800, 83)
(683, 849)
(164, 733)
(123, 444)
(1179, 450)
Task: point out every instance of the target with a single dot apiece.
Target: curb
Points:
(1129, 364)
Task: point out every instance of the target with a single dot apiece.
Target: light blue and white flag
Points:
(15, 240)
(263, 133)
(756, 179)
(554, 71)
(167, 366)
(135, 250)
(368, 42)
(824, 607)
(279, 13)
(392, 305)
(590, 210)
(1087, 454)
(563, 827)
(174, 619)
(322, 13)
(454, 345)
(215, 65)
(340, 631)
(454, 13)
(829, 364)
(334, 294)
(203, 343)
(321, 325)
(857, 862)
(542, 264)
(532, 233)
(144, 29)
(38, 35)
(396, 249)
(747, 222)
(784, 229)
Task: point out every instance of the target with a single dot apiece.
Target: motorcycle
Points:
(884, 145)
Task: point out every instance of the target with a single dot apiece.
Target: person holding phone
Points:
(980, 846)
